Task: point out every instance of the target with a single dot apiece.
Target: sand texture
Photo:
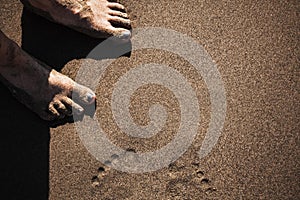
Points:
(255, 45)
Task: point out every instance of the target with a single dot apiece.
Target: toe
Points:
(77, 109)
(116, 6)
(83, 94)
(52, 111)
(119, 21)
(61, 108)
(118, 13)
(120, 33)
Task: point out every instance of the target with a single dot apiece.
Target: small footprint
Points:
(201, 181)
(114, 158)
(182, 178)
(102, 172)
(175, 170)
(177, 187)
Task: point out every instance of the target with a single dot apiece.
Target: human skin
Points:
(45, 91)
(96, 18)
(42, 89)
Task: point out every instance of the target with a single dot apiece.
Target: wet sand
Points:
(255, 46)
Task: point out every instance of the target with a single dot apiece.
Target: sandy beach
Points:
(255, 48)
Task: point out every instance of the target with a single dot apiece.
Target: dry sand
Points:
(255, 45)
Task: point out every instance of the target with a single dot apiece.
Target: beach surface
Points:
(255, 47)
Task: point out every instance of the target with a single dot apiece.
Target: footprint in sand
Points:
(178, 188)
(114, 159)
(182, 182)
(199, 179)
(102, 172)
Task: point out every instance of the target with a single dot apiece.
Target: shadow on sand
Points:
(25, 141)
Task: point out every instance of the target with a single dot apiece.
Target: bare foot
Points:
(44, 90)
(97, 18)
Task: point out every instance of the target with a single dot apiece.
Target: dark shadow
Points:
(25, 139)
(25, 151)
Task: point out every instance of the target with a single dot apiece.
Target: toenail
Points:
(79, 111)
(126, 35)
(90, 97)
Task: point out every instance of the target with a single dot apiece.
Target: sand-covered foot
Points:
(47, 92)
(97, 18)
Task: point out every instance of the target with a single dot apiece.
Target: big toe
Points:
(120, 33)
(83, 94)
